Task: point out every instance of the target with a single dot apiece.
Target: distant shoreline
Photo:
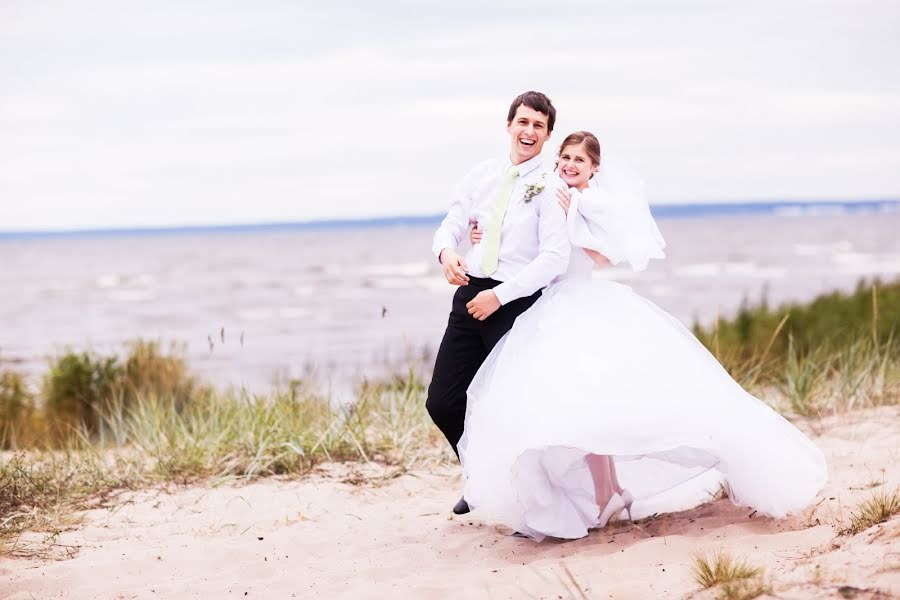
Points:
(660, 211)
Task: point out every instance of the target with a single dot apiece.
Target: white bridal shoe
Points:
(615, 505)
(619, 505)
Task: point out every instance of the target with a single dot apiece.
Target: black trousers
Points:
(467, 342)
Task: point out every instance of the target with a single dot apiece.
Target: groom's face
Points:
(527, 132)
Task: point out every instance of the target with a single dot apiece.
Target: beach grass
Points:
(78, 386)
(829, 323)
(17, 410)
(735, 578)
(144, 439)
(720, 567)
(837, 353)
(876, 509)
(236, 436)
(744, 589)
(863, 374)
(41, 490)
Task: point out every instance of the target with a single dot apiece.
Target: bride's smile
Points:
(575, 166)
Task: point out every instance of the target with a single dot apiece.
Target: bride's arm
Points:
(599, 259)
(564, 197)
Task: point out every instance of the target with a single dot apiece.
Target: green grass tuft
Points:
(75, 387)
(878, 508)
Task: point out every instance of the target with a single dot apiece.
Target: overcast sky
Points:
(118, 113)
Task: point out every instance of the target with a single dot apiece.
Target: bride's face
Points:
(575, 166)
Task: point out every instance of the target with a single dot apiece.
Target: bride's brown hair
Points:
(590, 142)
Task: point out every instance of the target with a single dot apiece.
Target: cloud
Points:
(197, 112)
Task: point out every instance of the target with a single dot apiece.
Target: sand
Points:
(366, 531)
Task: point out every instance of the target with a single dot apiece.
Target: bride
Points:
(598, 405)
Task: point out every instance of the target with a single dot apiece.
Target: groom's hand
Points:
(483, 305)
(454, 267)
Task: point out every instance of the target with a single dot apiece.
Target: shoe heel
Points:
(629, 500)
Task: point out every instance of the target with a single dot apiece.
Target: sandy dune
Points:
(327, 536)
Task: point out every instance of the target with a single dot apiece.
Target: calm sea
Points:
(258, 304)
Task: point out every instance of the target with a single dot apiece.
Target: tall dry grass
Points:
(149, 437)
(837, 353)
(735, 578)
(880, 506)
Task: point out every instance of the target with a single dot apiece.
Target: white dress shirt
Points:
(534, 244)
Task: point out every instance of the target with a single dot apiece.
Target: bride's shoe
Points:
(628, 499)
(613, 507)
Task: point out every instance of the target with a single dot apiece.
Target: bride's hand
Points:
(564, 198)
(475, 235)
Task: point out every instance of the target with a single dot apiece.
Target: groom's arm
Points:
(553, 252)
(454, 226)
(552, 260)
(447, 238)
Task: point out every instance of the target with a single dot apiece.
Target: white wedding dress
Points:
(594, 368)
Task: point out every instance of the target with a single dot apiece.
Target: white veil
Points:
(612, 217)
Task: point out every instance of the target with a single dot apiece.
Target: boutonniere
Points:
(533, 189)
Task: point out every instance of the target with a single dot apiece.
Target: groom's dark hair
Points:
(535, 101)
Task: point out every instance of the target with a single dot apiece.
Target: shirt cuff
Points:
(437, 253)
(504, 293)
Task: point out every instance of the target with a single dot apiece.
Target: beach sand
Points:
(367, 531)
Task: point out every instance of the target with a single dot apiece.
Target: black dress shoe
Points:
(461, 508)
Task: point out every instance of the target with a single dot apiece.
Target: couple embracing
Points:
(597, 405)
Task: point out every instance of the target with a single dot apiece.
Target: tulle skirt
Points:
(594, 368)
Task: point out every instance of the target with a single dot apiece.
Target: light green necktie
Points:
(491, 239)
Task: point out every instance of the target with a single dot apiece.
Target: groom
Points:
(524, 247)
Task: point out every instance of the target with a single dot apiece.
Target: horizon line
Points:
(659, 211)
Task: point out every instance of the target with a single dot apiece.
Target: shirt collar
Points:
(528, 166)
